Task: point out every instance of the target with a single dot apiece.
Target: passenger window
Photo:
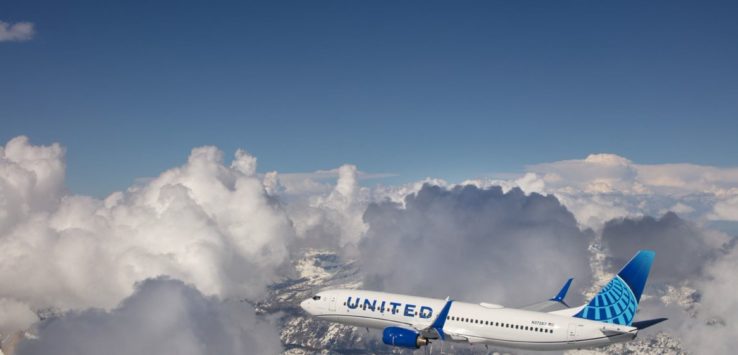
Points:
(316, 298)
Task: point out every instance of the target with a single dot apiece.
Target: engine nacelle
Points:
(402, 337)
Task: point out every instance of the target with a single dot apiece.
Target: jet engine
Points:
(402, 337)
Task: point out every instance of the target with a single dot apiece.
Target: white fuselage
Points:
(467, 322)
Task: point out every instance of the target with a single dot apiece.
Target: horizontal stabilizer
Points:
(643, 324)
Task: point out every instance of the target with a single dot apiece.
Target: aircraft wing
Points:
(553, 304)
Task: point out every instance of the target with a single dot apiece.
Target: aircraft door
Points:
(332, 303)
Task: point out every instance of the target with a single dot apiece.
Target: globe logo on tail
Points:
(615, 303)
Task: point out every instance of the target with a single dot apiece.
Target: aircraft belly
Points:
(361, 321)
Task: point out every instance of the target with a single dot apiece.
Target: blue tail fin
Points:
(617, 302)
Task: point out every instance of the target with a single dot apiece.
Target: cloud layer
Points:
(208, 224)
(683, 247)
(17, 32)
(484, 244)
(162, 316)
(220, 231)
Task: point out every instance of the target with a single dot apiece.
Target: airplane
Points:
(413, 322)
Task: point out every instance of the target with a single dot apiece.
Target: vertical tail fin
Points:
(617, 302)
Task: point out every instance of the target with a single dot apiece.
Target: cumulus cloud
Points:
(480, 244)
(605, 186)
(727, 209)
(713, 329)
(31, 179)
(228, 232)
(15, 315)
(162, 316)
(683, 248)
(207, 223)
(602, 187)
(19, 31)
(320, 182)
(333, 218)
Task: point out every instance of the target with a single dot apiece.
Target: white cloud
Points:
(480, 233)
(228, 231)
(713, 329)
(162, 316)
(14, 315)
(313, 183)
(605, 186)
(330, 218)
(205, 223)
(727, 209)
(19, 31)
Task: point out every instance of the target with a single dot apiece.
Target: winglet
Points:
(441, 318)
(560, 297)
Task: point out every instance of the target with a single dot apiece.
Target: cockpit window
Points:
(316, 298)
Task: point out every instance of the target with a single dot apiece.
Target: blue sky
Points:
(417, 88)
